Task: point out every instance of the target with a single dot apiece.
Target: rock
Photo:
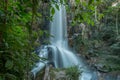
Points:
(60, 75)
(118, 77)
(109, 76)
(100, 68)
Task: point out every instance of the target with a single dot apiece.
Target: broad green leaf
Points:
(57, 7)
(9, 64)
(39, 15)
(92, 7)
(52, 11)
(41, 33)
(77, 1)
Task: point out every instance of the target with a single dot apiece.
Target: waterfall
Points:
(59, 32)
(62, 56)
(67, 58)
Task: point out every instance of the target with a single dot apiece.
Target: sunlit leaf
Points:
(57, 6)
(52, 10)
(77, 1)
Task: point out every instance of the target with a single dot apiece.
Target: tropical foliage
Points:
(23, 28)
(99, 43)
(18, 18)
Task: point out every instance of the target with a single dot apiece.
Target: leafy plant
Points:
(73, 73)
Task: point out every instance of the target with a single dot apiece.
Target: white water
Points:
(62, 56)
(41, 64)
(59, 40)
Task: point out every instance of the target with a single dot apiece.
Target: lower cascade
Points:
(58, 53)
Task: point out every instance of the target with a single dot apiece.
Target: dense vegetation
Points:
(19, 34)
(23, 28)
(98, 36)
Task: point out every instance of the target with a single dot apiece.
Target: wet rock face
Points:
(59, 75)
(109, 76)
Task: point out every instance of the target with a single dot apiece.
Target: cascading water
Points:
(59, 40)
(62, 56)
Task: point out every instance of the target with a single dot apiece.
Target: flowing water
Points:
(59, 53)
